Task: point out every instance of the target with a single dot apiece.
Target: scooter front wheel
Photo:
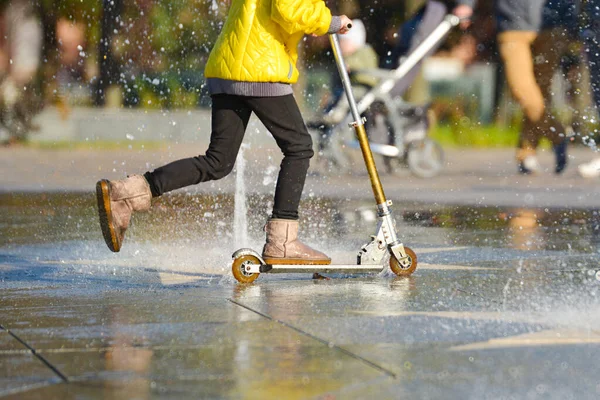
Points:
(238, 268)
(404, 271)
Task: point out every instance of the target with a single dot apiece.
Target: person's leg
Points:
(591, 36)
(515, 50)
(282, 118)
(547, 51)
(230, 116)
(592, 50)
(117, 200)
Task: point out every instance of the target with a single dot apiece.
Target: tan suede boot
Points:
(117, 200)
(283, 246)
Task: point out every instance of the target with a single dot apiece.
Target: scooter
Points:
(248, 264)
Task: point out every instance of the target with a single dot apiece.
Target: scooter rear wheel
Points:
(239, 271)
(404, 271)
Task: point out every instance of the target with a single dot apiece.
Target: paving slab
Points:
(449, 331)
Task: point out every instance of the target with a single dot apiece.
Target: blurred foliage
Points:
(161, 49)
(158, 47)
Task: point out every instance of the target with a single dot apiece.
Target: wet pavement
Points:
(504, 304)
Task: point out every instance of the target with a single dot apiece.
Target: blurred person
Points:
(463, 51)
(244, 77)
(412, 33)
(71, 87)
(532, 37)
(429, 15)
(591, 39)
(20, 56)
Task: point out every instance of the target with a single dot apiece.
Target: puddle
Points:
(36, 218)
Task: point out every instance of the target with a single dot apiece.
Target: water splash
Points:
(240, 211)
(505, 293)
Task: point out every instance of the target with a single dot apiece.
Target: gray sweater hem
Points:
(254, 89)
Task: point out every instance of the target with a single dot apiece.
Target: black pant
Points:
(230, 115)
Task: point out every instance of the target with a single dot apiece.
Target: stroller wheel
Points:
(425, 158)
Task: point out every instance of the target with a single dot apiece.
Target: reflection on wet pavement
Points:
(504, 305)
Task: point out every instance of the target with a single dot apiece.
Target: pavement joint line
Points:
(117, 349)
(14, 351)
(37, 355)
(27, 388)
(325, 342)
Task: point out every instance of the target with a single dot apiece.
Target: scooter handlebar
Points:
(343, 71)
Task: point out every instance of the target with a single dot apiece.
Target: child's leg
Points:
(282, 118)
(118, 200)
(230, 116)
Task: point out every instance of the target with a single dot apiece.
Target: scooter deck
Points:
(295, 261)
(305, 268)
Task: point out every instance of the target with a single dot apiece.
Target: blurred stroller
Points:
(398, 131)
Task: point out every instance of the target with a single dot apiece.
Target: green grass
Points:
(446, 135)
(466, 135)
(457, 135)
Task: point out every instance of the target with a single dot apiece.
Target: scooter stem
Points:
(359, 126)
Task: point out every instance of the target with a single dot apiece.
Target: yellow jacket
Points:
(259, 40)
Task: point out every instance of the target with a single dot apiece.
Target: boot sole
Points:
(295, 261)
(105, 214)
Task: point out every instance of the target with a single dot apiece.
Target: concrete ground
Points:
(165, 319)
(504, 303)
